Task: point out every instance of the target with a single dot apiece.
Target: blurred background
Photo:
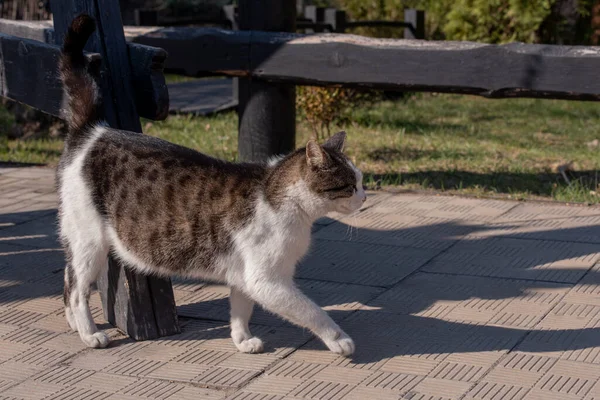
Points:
(509, 148)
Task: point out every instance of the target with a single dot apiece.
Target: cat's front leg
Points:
(282, 297)
(241, 311)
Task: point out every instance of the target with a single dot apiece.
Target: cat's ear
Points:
(314, 154)
(336, 142)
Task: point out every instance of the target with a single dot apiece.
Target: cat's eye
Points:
(342, 188)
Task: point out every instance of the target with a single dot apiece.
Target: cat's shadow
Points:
(412, 314)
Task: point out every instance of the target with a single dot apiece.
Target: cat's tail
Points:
(82, 96)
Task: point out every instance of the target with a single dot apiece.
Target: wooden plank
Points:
(494, 71)
(29, 73)
(267, 111)
(127, 297)
(148, 79)
(415, 21)
(42, 31)
(152, 96)
(218, 51)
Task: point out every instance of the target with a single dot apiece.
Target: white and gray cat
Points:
(168, 210)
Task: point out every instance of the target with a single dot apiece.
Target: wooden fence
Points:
(269, 61)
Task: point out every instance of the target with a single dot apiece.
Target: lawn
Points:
(459, 144)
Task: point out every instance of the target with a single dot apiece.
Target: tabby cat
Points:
(167, 210)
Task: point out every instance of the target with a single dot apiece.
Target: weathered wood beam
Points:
(29, 73)
(495, 71)
(198, 51)
(151, 93)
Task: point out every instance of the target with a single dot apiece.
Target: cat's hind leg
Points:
(241, 311)
(87, 259)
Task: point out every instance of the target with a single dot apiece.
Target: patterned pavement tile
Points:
(31, 390)
(152, 389)
(102, 382)
(443, 389)
(518, 258)
(17, 371)
(445, 297)
(444, 207)
(537, 211)
(368, 264)
(224, 378)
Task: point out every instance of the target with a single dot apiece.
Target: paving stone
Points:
(9, 350)
(569, 378)
(99, 381)
(398, 230)
(368, 264)
(41, 356)
(28, 336)
(194, 393)
(62, 375)
(274, 385)
(257, 362)
(132, 367)
(432, 388)
(53, 323)
(78, 393)
(152, 389)
(321, 390)
(495, 391)
(243, 395)
(40, 233)
(518, 258)
(294, 369)
(401, 383)
(363, 393)
(31, 390)
(445, 207)
(222, 378)
(472, 299)
(176, 371)
(93, 360)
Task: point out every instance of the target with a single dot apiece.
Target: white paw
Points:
(343, 345)
(252, 345)
(98, 340)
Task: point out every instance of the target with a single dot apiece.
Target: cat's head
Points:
(332, 177)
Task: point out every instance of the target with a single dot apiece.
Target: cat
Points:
(168, 210)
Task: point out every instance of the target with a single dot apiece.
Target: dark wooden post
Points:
(417, 20)
(142, 306)
(316, 15)
(144, 17)
(267, 111)
(337, 19)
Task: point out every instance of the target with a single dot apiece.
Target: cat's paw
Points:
(98, 340)
(342, 345)
(252, 345)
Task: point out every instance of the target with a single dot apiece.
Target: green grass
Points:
(451, 143)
